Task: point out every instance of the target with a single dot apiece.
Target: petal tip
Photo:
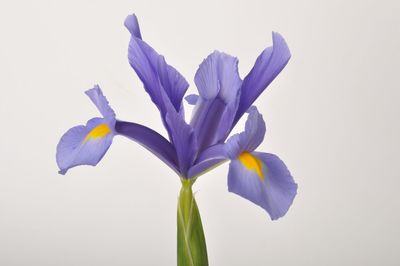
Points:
(132, 24)
(96, 88)
(280, 43)
(62, 171)
(192, 99)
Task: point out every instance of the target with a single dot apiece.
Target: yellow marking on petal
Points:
(252, 163)
(99, 131)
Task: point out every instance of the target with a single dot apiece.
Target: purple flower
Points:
(196, 147)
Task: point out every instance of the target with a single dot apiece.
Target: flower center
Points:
(99, 131)
(252, 163)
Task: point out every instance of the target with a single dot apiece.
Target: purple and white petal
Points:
(274, 190)
(84, 145)
(267, 66)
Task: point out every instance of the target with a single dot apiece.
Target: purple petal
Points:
(268, 65)
(203, 167)
(84, 145)
(184, 141)
(174, 84)
(132, 24)
(192, 99)
(217, 151)
(208, 159)
(274, 191)
(97, 97)
(207, 119)
(218, 76)
(218, 82)
(182, 137)
(250, 138)
(151, 140)
(157, 76)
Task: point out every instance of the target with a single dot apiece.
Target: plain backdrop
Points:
(332, 115)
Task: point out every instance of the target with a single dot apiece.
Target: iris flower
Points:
(195, 147)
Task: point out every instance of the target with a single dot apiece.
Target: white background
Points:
(332, 115)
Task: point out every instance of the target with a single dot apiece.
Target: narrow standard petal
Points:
(184, 140)
(218, 82)
(132, 24)
(267, 66)
(84, 145)
(157, 76)
(263, 179)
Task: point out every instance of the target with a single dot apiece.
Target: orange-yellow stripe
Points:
(252, 163)
(99, 131)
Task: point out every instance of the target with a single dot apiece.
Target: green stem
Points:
(192, 249)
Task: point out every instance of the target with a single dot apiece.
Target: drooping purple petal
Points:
(267, 66)
(151, 140)
(273, 191)
(218, 82)
(84, 145)
(96, 95)
(157, 76)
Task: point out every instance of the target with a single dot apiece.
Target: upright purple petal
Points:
(268, 65)
(157, 76)
(218, 76)
(174, 84)
(184, 141)
(132, 24)
(218, 82)
(151, 140)
(84, 145)
(263, 179)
